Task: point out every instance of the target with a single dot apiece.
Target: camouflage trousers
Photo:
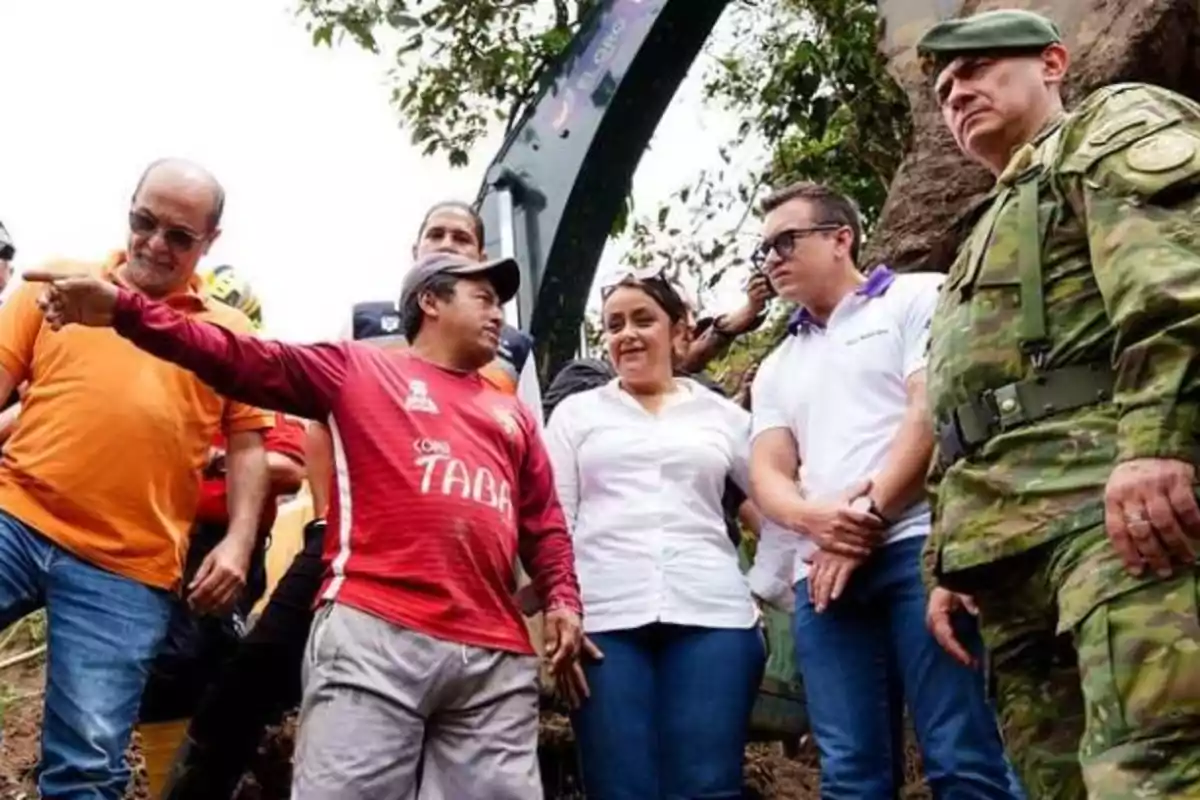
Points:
(1095, 673)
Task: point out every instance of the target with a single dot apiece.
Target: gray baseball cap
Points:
(504, 273)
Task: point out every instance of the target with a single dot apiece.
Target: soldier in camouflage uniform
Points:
(1064, 377)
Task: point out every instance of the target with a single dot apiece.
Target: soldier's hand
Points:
(939, 617)
(1151, 515)
(74, 298)
(828, 576)
(840, 527)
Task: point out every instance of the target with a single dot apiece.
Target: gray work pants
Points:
(380, 699)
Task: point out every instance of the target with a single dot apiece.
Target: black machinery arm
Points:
(551, 195)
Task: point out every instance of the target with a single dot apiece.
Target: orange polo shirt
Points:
(107, 456)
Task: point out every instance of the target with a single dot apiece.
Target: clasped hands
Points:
(846, 531)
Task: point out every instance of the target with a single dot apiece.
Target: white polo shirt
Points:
(840, 390)
(642, 496)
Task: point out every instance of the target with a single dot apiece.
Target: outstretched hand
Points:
(74, 298)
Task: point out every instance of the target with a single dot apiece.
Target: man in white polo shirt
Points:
(842, 441)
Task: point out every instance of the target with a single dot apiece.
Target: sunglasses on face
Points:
(7, 252)
(178, 239)
(784, 242)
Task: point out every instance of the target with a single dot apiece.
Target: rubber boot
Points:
(160, 740)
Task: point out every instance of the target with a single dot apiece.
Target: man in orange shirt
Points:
(100, 480)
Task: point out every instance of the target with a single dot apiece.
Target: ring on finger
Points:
(1141, 531)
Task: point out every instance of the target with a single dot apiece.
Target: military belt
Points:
(1015, 405)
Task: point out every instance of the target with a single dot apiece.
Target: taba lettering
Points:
(452, 477)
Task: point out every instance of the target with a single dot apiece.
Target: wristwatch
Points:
(875, 510)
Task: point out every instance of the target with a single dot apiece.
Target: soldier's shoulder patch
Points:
(1108, 130)
(1110, 122)
(1162, 152)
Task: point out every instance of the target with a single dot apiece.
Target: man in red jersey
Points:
(419, 651)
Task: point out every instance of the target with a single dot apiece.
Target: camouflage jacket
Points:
(1117, 187)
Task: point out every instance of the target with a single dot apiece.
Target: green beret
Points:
(1009, 29)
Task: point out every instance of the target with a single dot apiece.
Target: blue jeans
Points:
(669, 712)
(867, 653)
(102, 632)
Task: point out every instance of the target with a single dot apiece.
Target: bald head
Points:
(186, 175)
(173, 221)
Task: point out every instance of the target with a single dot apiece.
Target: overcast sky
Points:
(324, 189)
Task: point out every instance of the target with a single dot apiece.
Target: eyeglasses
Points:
(178, 239)
(784, 242)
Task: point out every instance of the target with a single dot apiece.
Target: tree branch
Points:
(29, 655)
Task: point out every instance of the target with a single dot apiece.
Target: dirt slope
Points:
(770, 775)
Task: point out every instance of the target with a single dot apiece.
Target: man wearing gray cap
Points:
(418, 656)
(1064, 378)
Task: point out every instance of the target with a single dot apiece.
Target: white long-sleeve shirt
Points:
(642, 496)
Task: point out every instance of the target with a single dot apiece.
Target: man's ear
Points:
(414, 251)
(210, 240)
(1055, 61)
(428, 303)
(845, 238)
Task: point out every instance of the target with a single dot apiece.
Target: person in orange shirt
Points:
(100, 480)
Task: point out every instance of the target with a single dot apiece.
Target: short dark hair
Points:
(441, 285)
(832, 206)
(456, 205)
(658, 289)
(218, 199)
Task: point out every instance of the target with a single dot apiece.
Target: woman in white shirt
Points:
(640, 465)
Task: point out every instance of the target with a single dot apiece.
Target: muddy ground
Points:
(770, 775)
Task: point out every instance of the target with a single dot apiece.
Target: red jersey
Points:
(286, 438)
(439, 478)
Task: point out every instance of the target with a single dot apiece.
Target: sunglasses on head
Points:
(654, 281)
(178, 239)
(635, 275)
(784, 242)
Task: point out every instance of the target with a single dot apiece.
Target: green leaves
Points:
(804, 79)
(459, 66)
(805, 76)
(817, 92)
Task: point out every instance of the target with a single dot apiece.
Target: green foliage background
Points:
(804, 77)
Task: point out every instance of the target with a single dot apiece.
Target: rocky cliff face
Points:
(1154, 41)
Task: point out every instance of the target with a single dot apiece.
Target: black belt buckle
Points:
(951, 446)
